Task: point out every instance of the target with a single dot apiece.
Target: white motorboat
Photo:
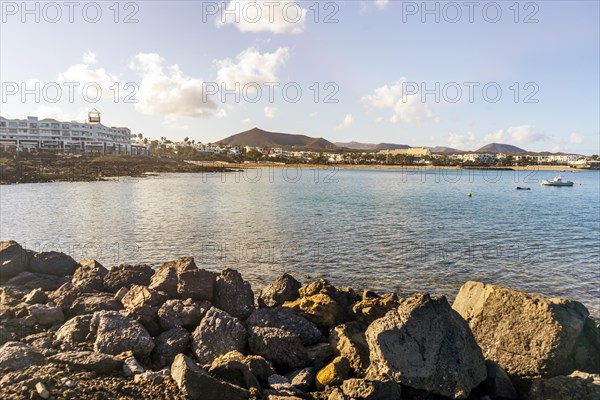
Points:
(556, 181)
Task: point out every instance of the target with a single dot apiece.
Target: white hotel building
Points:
(33, 134)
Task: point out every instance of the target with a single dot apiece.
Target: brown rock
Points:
(333, 374)
(196, 284)
(576, 386)
(350, 342)
(197, 384)
(426, 345)
(530, 336)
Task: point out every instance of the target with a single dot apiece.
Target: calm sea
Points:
(387, 230)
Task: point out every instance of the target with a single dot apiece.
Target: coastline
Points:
(42, 169)
(79, 330)
(558, 168)
(103, 168)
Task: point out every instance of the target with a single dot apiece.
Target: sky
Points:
(457, 74)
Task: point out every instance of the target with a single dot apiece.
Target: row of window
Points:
(21, 124)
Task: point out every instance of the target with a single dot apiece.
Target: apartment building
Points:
(34, 134)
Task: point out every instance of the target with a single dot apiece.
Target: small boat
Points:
(523, 188)
(557, 181)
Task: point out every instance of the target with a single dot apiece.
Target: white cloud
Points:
(59, 114)
(251, 67)
(524, 134)
(576, 138)
(222, 113)
(83, 74)
(246, 121)
(89, 57)
(4, 113)
(283, 16)
(407, 108)
(166, 90)
(467, 141)
(270, 112)
(515, 135)
(347, 122)
(381, 4)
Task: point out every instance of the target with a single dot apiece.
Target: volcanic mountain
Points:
(257, 137)
(500, 148)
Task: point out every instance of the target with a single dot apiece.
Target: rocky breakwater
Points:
(76, 330)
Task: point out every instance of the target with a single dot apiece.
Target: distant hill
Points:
(500, 148)
(259, 138)
(371, 146)
(442, 149)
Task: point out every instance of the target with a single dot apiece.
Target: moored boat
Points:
(556, 181)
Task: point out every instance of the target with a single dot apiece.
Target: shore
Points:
(77, 330)
(371, 166)
(45, 168)
(38, 169)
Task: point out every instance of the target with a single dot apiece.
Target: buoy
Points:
(469, 194)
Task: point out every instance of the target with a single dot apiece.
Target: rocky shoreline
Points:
(39, 169)
(77, 330)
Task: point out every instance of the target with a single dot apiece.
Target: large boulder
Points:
(371, 390)
(166, 278)
(64, 296)
(13, 259)
(302, 379)
(11, 295)
(286, 319)
(139, 296)
(576, 386)
(372, 306)
(530, 336)
(89, 275)
(497, 385)
(15, 329)
(279, 346)
(426, 345)
(231, 368)
(196, 284)
(218, 334)
(333, 374)
(17, 355)
(285, 288)
(182, 313)
(116, 334)
(260, 367)
(233, 294)
(126, 275)
(88, 360)
(36, 296)
(197, 384)
(349, 341)
(89, 303)
(168, 345)
(33, 280)
(45, 315)
(52, 263)
(324, 304)
(75, 330)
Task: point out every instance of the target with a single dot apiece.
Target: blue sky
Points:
(372, 58)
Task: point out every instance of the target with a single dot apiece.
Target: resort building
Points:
(33, 134)
(412, 151)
